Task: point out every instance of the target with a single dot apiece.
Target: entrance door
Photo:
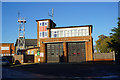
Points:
(76, 52)
(54, 52)
(29, 58)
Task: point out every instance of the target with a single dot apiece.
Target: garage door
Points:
(76, 52)
(53, 52)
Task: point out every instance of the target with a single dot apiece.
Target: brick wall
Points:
(11, 48)
(36, 57)
(88, 39)
(104, 56)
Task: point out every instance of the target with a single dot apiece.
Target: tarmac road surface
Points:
(8, 73)
(62, 72)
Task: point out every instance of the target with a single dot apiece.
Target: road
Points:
(10, 73)
(62, 71)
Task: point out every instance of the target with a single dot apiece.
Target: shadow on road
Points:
(73, 70)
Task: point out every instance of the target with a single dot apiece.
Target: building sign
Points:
(38, 53)
(4, 48)
(41, 54)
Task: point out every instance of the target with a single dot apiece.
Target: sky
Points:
(102, 15)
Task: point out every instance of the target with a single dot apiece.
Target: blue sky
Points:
(102, 15)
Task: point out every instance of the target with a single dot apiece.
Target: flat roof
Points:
(28, 42)
(43, 19)
(29, 48)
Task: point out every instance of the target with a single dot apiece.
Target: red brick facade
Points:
(64, 40)
(7, 48)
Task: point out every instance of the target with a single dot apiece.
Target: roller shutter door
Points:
(53, 52)
(76, 52)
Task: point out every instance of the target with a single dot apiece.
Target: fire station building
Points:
(64, 44)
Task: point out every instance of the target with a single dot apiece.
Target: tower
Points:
(21, 35)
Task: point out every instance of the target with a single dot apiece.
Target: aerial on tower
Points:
(51, 15)
(21, 35)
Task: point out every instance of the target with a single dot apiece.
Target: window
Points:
(58, 34)
(61, 33)
(79, 32)
(42, 23)
(52, 33)
(73, 32)
(70, 33)
(55, 34)
(28, 52)
(85, 32)
(32, 52)
(65, 33)
(76, 32)
(46, 24)
(45, 33)
(42, 34)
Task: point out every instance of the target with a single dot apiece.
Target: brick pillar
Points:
(89, 50)
(37, 34)
(42, 50)
(65, 51)
(86, 47)
(49, 34)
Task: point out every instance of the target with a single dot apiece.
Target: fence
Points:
(104, 56)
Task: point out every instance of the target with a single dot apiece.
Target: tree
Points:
(102, 45)
(115, 41)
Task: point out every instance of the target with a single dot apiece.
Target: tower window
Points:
(43, 24)
(40, 24)
(43, 34)
(46, 24)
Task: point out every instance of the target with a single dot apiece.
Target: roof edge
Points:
(72, 26)
(6, 43)
(42, 20)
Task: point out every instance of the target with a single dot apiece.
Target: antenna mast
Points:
(52, 13)
(21, 36)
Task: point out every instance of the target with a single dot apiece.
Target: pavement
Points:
(62, 71)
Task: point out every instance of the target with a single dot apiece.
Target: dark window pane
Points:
(43, 24)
